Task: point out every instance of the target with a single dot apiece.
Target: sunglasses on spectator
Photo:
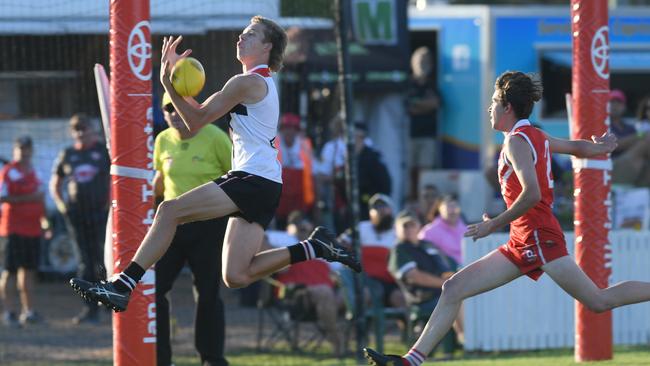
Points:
(169, 108)
(79, 127)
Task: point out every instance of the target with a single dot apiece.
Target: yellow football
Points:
(188, 77)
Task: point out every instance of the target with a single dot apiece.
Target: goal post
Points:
(590, 90)
(131, 119)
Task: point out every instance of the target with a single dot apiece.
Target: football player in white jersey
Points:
(248, 194)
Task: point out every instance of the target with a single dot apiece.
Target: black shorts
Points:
(256, 197)
(22, 252)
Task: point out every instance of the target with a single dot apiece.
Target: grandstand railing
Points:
(525, 315)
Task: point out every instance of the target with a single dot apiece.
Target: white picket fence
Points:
(526, 315)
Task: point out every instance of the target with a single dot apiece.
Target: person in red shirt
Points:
(536, 242)
(295, 153)
(21, 199)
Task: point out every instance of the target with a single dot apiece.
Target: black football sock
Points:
(127, 280)
(304, 251)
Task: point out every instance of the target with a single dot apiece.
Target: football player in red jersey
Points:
(536, 242)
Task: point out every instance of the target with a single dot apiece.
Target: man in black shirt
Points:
(422, 105)
(418, 266)
(420, 270)
(373, 177)
(373, 174)
(83, 169)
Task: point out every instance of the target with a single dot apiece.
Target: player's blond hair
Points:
(519, 89)
(275, 35)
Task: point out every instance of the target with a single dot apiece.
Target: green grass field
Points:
(623, 356)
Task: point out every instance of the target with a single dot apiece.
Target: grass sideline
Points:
(623, 356)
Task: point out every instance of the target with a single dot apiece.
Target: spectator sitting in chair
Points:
(420, 269)
(377, 238)
(314, 275)
(382, 296)
(446, 230)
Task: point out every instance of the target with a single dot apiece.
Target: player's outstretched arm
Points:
(584, 148)
(237, 90)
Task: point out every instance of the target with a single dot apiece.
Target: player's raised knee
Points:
(236, 280)
(168, 209)
(597, 305)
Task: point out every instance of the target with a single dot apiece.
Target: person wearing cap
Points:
(420, 269)
(632, 155)
(184, 160)
(376, 238)
(22, 211)
(82, 171)
(296, 155)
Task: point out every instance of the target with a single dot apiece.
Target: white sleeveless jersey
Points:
(254, 128)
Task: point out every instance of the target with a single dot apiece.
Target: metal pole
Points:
(352, 186)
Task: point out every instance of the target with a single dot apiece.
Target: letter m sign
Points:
(375, 22)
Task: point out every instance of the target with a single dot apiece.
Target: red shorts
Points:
(540, 247)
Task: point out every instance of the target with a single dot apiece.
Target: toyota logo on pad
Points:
(600, 52)
(139, 50)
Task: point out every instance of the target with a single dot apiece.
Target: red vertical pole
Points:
(590, 88)
(134, 331)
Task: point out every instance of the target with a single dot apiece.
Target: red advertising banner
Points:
(134, 331)
(590, 88)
